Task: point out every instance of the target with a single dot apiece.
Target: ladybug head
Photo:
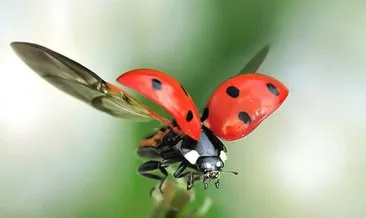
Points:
(210, 164)
(211, 167)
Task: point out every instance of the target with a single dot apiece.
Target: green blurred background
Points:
(60, 158)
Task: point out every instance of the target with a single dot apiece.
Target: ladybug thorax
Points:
(208, 153)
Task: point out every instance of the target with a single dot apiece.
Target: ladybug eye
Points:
(241, 103)
(219, 164)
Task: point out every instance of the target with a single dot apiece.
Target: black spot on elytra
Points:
(156, 84)
(244, 116)
(272, 88)
(189, 116)
(184, 90)
(204, 114)
(232, 91)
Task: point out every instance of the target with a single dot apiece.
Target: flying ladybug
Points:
(235, 108)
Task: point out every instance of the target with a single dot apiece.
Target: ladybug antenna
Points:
(230, 171)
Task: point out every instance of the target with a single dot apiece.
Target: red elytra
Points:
(167, 92)
(241, 103)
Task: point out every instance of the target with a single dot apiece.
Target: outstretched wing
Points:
(168, 93)
(251, 67)
(241, 103)
(81, 83)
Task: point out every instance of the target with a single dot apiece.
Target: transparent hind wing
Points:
(81, 83)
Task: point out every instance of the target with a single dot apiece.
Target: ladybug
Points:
(236, 107)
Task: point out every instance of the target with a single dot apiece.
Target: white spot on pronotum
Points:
(223, 156)
(192, 156)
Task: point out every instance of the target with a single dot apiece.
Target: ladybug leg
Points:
(217, 184)
(205, 183)
(145, 169)
(184, 174)
(182, 166)
(170, 157)
(197, 177)
(167, 162)
(190, 181)
(192, 178)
